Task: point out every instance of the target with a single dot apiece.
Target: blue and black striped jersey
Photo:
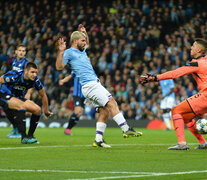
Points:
(19, 65)
(16, 86)
(77, 86)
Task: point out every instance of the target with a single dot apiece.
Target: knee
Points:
(78, 112)
(37, 110)
(21, 106)
(112, 103)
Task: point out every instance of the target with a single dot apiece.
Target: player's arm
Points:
(43, 94)
(83, 29)
(28, 94)
(184, 70)
(2, 79)
(64, 80)
(61, 49)
(9, 77)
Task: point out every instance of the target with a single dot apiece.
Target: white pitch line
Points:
(62, 146)
(66, 171)
(135, 174)
(146, 175)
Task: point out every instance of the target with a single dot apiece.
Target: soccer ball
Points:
(201, 126)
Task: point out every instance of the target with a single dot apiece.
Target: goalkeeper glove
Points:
(147, 78)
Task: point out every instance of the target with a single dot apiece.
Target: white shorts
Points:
(167, 103)
(96, 93)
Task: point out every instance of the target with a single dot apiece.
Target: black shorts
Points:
(4, 100)
(78, 101)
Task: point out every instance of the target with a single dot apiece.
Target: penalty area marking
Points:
(65, 146)
(145, 175)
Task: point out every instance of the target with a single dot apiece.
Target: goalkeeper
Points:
(194, 106)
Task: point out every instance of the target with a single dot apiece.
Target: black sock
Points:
(21, 122)
(33, 124)
(72, 121)
(11, 115)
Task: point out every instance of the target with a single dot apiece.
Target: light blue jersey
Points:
(80, 64)
(166, 86)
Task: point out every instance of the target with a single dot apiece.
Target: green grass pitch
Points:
(72, 157)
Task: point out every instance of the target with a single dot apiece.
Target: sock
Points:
(179, 127)
(73, 121)
(191, 126)
(100, 128)
(21, 122)
(121, 121)
(166, 118)
(33, 124)
(11, 117)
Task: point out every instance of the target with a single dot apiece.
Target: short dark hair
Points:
(30, 65)
(202, 42)
(21, 45)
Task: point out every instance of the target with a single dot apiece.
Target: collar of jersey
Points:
(200, 57)
(74, 49)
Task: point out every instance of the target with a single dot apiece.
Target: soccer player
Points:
(194, 106)
(18, 64)
(92, 89)
(168, 100)
(14, 87)
(78, 101)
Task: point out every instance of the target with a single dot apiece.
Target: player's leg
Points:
(198, 104)
(33, 125)
(78, 111)
(166, 115)
(166, 105)
(14, 103)
(100, 128)
(184, 113)
(100, 96)
(178, 122)
(32, 107)
(189, 115)
(36, 113)
(120, 120)
(11, 115)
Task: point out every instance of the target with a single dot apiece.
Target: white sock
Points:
(100, 128)
(166, 118)
(121, 121)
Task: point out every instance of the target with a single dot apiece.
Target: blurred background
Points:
(127, 38)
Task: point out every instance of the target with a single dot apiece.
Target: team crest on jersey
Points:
(8, 96)
(7, 79)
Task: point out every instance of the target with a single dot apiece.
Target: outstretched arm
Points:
(59, 59)
(184, 70)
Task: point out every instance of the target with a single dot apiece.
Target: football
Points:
(201, 126)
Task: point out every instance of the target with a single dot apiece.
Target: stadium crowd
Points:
(127, 38)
